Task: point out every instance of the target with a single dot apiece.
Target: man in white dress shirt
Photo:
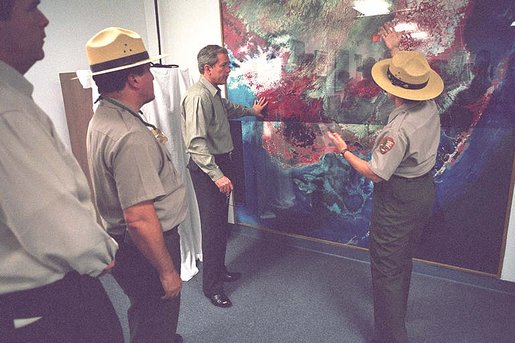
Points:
(51, 248)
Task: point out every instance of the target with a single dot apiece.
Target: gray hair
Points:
(208, 55)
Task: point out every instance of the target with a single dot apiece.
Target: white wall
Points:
(72, 23)
(186, 25)
(508, 270)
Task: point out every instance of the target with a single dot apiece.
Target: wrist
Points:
(342, 153)
(168, 274)
(394, 50)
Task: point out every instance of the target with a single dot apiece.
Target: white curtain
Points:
(170, 85)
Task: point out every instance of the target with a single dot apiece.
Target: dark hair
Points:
(412, 102)
(116, 80)
(209, 55)
(6, 8)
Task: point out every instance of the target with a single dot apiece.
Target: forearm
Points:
(149, 241)
(206, 162)
(237, 111)
(146, 233)
(361, 166)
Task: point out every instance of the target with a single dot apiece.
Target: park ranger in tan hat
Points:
(138, 192)
(402, 158)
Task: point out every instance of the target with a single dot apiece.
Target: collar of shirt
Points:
(117, 104)
(214, 90)
(403, 109)
(16, 80)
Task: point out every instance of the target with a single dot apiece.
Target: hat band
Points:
(396, 82)
(119, 62)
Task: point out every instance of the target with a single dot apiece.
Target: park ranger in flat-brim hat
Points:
(408, 75)
(114, 49)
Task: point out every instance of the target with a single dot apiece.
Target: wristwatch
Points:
(342, 153)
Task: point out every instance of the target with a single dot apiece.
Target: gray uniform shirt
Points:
(47, 220)
(129, 166)
(205, 125)
(408, 144)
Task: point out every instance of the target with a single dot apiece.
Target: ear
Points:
(133, 81)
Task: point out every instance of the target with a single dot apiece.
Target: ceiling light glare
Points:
(371, 7)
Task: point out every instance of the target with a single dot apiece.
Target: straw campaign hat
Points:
(114, 49)
(408, 76)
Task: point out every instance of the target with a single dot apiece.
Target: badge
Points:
(160, 136)
(386, 145)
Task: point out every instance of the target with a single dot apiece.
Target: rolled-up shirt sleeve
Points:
(45, 202)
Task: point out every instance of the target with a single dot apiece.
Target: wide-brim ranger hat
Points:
(408, 75)
(114, 49)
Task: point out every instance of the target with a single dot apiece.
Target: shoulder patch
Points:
(386, 145)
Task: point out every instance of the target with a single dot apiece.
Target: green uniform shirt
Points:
(129, 166)
(408, 144)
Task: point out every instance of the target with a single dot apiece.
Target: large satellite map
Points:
(312, 61)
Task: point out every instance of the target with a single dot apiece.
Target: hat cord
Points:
(137, 115)
(158, 134)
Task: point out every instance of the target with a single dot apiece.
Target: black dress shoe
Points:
(230, 277)
(220, 300)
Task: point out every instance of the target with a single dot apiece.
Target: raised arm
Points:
(236, 111)
(357, 163)
(390, 37)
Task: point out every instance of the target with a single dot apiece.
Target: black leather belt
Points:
(223, 157)
(412, 178)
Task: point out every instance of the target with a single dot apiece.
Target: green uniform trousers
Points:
(401, 208)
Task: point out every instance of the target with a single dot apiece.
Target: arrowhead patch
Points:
(386, 145)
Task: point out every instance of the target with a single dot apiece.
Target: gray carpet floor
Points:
(291, 294)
